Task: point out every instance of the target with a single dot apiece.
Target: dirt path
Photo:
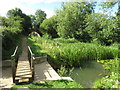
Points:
(24, 55)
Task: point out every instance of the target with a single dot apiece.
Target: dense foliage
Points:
(102, 29)
(37, 19)
(71, 18)
(26, 22)
(78, 20)
(70, 52)
(49, 27)
(11, 29)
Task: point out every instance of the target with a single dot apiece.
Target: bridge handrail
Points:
(14, 52)
(31, 61)
(30, 49)
(32, 56)
(13, 62)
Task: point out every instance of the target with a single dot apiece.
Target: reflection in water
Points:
(88, 74)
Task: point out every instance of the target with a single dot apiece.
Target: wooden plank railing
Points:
(31, 60)
(14, 59)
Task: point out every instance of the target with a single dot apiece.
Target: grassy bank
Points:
(70, 52)
(51, 84)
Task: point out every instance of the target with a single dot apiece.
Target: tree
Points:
(49, 27)
(102, 28)
(11, 28)
(71, 18)
(26, 23)
(39, 17)
(14, 12)
(33, 21)
(110, 5)
(118, 21)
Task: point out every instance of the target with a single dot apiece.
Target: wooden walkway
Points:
(23, 71)
(45, 72)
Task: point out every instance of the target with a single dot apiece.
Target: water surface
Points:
(88, 74)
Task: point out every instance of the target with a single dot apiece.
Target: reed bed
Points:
(70, 52)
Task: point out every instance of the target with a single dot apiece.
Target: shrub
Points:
(111, 78)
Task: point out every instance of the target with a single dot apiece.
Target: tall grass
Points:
(70, 52)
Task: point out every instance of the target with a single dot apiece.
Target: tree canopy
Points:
(71, 18)
(49, 26)
(37, 19)
(78, 20)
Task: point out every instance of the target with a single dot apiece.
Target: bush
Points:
(111, 78)
(106, 82)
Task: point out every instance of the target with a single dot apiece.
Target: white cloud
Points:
(107, 13)
(49, 13)
(25, 6)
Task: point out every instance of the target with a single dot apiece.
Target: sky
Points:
(30, 6)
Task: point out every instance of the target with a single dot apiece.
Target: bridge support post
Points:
(32, 66)
(13, 68)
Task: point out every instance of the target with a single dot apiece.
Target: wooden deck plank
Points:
(27, 77)
(24, 73)
(24, 69)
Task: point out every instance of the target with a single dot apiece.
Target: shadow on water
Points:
(89, 73)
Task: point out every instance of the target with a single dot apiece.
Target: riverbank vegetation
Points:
(67, 53)
(111, 78)
(51, 84)
(72, 53)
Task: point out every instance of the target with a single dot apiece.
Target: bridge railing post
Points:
(31, 60)
(32, 66)
(13, 68)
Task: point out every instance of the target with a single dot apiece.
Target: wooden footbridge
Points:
(26, 68)
(22, 66)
